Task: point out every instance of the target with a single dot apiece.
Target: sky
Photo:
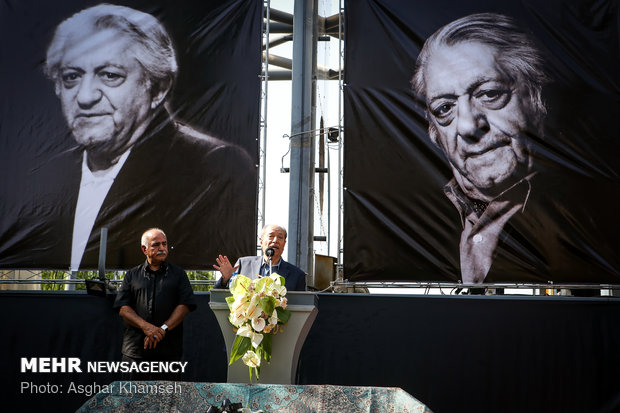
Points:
(278, 121)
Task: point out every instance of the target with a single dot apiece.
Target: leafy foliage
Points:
(111, 275)
(63, 275)
(201, 275)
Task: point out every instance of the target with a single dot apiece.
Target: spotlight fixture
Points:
(332, 134)
(96, 287)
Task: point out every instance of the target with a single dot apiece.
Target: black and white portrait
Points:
(481, 78)
(129, 160)
(480, 144)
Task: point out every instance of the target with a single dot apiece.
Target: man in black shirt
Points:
(153, 300)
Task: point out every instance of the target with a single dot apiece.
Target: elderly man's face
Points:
(479, 118)
(275, 238)
(156, 249)
(105, 93)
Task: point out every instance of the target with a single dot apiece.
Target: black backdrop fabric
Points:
(452, 353)
(217, 92)
(398, 223)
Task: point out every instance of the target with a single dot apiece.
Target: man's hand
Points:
(225, 267)
(153, 335)
(150, 342)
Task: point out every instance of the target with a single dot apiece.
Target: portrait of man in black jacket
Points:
(132, 165)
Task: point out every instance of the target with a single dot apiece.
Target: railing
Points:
(66, 280)
(34, 279)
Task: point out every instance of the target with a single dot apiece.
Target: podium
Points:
(286, 344)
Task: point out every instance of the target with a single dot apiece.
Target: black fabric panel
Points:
(453, 353)
(398, 224)
(83, 326)
(466, 354)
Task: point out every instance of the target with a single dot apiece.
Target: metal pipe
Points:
(301, 211)
(279, 16)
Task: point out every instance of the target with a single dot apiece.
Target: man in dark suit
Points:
(134, 166)
(273, 238)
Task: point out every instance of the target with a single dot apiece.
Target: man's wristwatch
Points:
(164, 327)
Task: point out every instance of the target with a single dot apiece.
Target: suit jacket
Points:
(567, 233)
(190, 185)
(250, 267)
(564, 234)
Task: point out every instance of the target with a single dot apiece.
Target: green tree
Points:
(62, 275)
(201, 276)
(113, 275)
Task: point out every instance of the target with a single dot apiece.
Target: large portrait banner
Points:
(128, 116)
(481, 141)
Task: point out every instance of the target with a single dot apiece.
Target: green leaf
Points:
(266, 344)
(268, 304)
(283, 315)
(256, 372)
(240, 346)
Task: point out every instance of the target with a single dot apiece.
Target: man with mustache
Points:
(153, 300)
(481, 79)
(272, 237)
(134, 166)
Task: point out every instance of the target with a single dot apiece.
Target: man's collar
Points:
(517, 193)
(106, 174)
(266, 262)
(162, 267)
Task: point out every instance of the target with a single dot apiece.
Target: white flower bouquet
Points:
(257, 310)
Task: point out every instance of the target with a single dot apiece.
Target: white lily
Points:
(253, 309)
(258, 324)
(246, 331)
(280, 290)
(274, 318)
(251, 359)
(238, 311)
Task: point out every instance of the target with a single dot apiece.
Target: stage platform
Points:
(183, 397)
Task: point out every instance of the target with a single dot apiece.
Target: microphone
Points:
(269, 253)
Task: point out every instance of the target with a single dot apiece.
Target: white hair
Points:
(516, 53)
(144, 241)
(274, 226)
(153, 45)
